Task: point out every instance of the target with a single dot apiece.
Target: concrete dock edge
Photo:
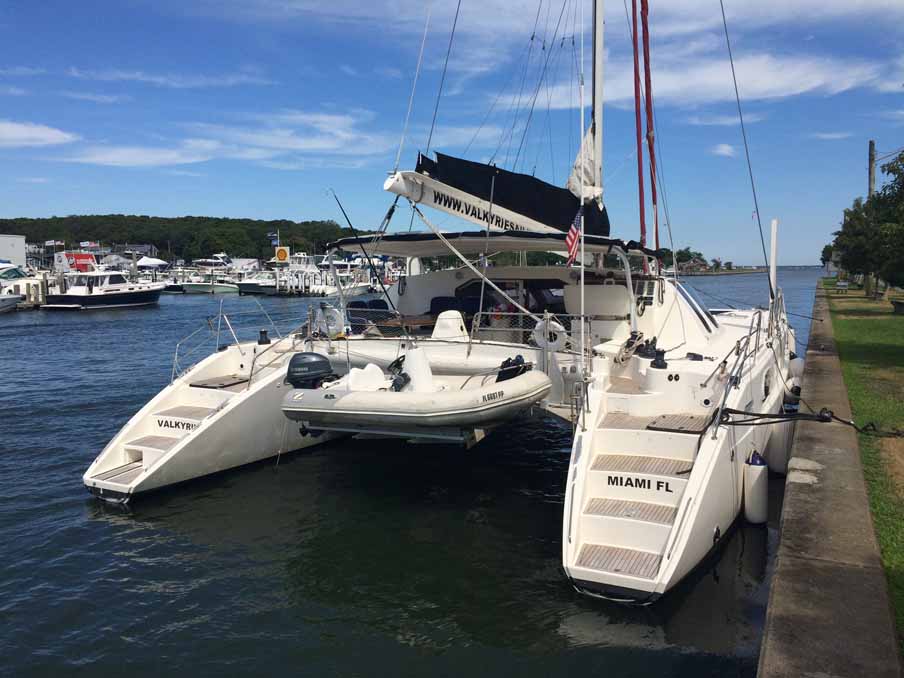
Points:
(829, 612)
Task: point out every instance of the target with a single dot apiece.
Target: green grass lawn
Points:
(871, 345)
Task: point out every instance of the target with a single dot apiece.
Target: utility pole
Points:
(872, 168)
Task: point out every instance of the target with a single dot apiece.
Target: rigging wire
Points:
(417, 72)
(539, 84)
(442, 81)
(756, 205)
(515, 105)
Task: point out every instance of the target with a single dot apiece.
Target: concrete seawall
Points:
(829, 612)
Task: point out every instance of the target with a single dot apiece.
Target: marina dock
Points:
(829, 612)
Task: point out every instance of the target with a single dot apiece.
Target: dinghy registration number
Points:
(495, 395)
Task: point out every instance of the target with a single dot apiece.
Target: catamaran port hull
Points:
(210, 419)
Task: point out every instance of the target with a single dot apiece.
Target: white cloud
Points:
(760, 77)
(96, 98)
(22, 134)
(20, 71)
(185, 173)
(389, 72)
(723, 150)
(724, 120)
(13, 91)
(897, 116)
(830, 136)
(174, 80)
(138, 156)
(286, 139)
(33, 180)
(349, 70)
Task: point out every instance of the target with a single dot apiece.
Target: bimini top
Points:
(477, 242)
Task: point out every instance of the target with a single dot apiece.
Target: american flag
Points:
(573, 239)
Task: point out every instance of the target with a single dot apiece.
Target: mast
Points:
(598, 72)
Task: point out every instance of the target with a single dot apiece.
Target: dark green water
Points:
(358, 559)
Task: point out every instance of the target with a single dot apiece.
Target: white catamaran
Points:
(658, 387)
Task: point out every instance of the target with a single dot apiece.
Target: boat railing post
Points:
(232, 331)
(219, 322)
(272, 324)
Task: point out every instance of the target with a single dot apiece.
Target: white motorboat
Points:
(409, 401)
(221, 413)
(30, 288)
(8, 302)
(100, 290)
(208, 284)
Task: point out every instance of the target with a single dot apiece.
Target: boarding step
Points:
(632, 463)
(619, 561)
(661, 514)
(181, 419)
(121, 475)
(151, 448)
(227, 382)
(625, 434)
(680, 422)
(639, 525)
(631, 477)
(623, 386)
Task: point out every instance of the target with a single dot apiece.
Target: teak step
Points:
(190, 412)
(641, 564)
(121, 474)
(656, 466)
(161, 443)
(625, 421)
(634, 510)
(623, 386)
(229, 382)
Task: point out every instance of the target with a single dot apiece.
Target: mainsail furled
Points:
(584, 171)
(495, 198)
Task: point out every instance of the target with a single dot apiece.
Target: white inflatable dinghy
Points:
(409, 402)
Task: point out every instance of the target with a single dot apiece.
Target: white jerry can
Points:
(756, 490)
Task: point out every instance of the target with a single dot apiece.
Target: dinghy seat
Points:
(417, 367)
(450, 326)
(370, 378)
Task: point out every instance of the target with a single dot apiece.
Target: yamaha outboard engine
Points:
(308, 370)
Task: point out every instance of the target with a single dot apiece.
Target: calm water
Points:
(358, 559)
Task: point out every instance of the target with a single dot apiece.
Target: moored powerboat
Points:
(101, 289)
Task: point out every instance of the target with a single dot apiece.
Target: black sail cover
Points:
(520, 193)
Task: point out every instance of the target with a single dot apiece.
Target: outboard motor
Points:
(308, 370)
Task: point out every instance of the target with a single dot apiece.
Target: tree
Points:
(871, 239)
(717, 264)
(826, 255)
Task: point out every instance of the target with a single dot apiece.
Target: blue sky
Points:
(255, 108)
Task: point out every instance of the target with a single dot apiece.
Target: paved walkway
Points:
(829, 612)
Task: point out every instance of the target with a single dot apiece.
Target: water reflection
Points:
(437, 548)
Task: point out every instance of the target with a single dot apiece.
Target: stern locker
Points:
(631, 498)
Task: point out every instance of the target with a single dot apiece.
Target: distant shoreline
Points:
(746, 271)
